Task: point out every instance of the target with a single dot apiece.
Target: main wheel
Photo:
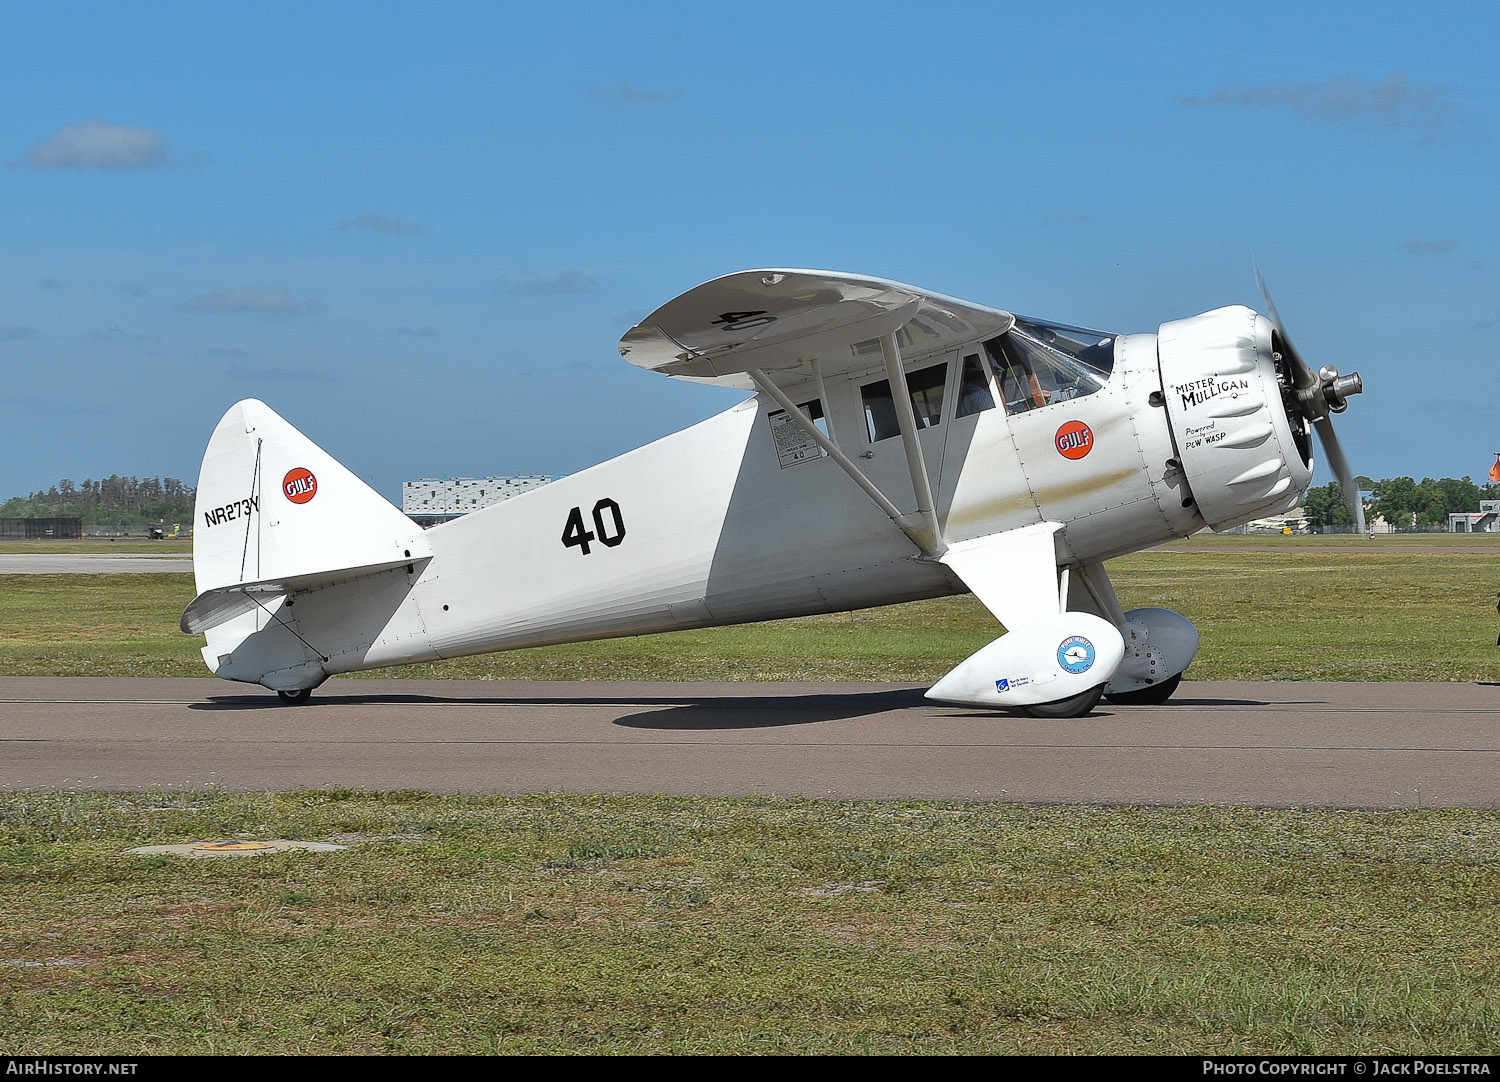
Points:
(1150, 695)
(1075, 707)
(295, 698)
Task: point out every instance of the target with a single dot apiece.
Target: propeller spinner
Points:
(1317, 395)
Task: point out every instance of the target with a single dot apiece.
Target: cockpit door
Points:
(882, 455)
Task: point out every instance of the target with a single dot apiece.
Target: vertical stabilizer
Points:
(273, 506)
(278, 520)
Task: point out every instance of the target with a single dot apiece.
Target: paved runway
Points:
(1264, 744)
(92, 563)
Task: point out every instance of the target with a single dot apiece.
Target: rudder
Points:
(272, 505)
(277, 515)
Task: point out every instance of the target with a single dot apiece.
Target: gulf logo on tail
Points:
(299, 485)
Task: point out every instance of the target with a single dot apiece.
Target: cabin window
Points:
(974, 392)
(1043, 363)
(814, 411)
(880, 411)
(925, 386)
(926, 389)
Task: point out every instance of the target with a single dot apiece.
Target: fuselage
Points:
(719, 524)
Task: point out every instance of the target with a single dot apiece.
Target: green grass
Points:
(123, 546)
(96, 625)
(1267, 608)
(1477, 542)
(568, 924)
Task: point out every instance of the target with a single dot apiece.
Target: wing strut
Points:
(915, 463)
(918, 537)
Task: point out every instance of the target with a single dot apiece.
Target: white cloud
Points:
(267, 302)
(560, 284)
(119, 337)
(1053, 221)
(43, 406)
(627, 93)
(275, 374)
(98, 144)
(382, 224)
(1393, 102)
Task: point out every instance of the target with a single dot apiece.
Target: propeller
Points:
(1317, 395)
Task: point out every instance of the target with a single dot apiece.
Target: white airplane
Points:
(900, 444)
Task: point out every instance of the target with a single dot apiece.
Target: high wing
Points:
(782, 321)
(773, 329)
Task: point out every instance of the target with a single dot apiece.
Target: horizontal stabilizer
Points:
(222, 604)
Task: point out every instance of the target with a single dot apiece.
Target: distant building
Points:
(1481, 521)
(437, 499)
(40, 528)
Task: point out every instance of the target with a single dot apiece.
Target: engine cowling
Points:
(1243, 451)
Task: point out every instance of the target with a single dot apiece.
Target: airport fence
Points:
(33, 529)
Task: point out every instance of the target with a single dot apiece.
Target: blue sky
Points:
(418, 230)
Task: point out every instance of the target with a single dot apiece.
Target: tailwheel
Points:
(295, 698)
(1150, 695)
(1074, 707)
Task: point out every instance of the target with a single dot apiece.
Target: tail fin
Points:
(276, 513)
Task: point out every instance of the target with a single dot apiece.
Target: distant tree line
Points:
(131, 502)
(1402, 502)
(136, 502)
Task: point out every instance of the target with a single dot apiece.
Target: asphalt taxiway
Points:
(93, 563)
(1263, 744)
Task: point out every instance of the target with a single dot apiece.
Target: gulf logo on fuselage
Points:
(1074, 440)
(299, 485)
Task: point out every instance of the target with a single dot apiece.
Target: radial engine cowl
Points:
(1242, 455)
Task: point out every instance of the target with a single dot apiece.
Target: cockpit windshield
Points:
(1041, 363)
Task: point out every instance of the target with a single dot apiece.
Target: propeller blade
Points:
(1319, 394)
(1340, 466)
(1305, 377)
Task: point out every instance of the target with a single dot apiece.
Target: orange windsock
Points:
(1495, 469)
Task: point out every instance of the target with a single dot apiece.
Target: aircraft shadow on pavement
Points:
(1107, 709)
(768, 712)
(710, 712)
(682, 713)
(1184, 701)
(264, 701)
